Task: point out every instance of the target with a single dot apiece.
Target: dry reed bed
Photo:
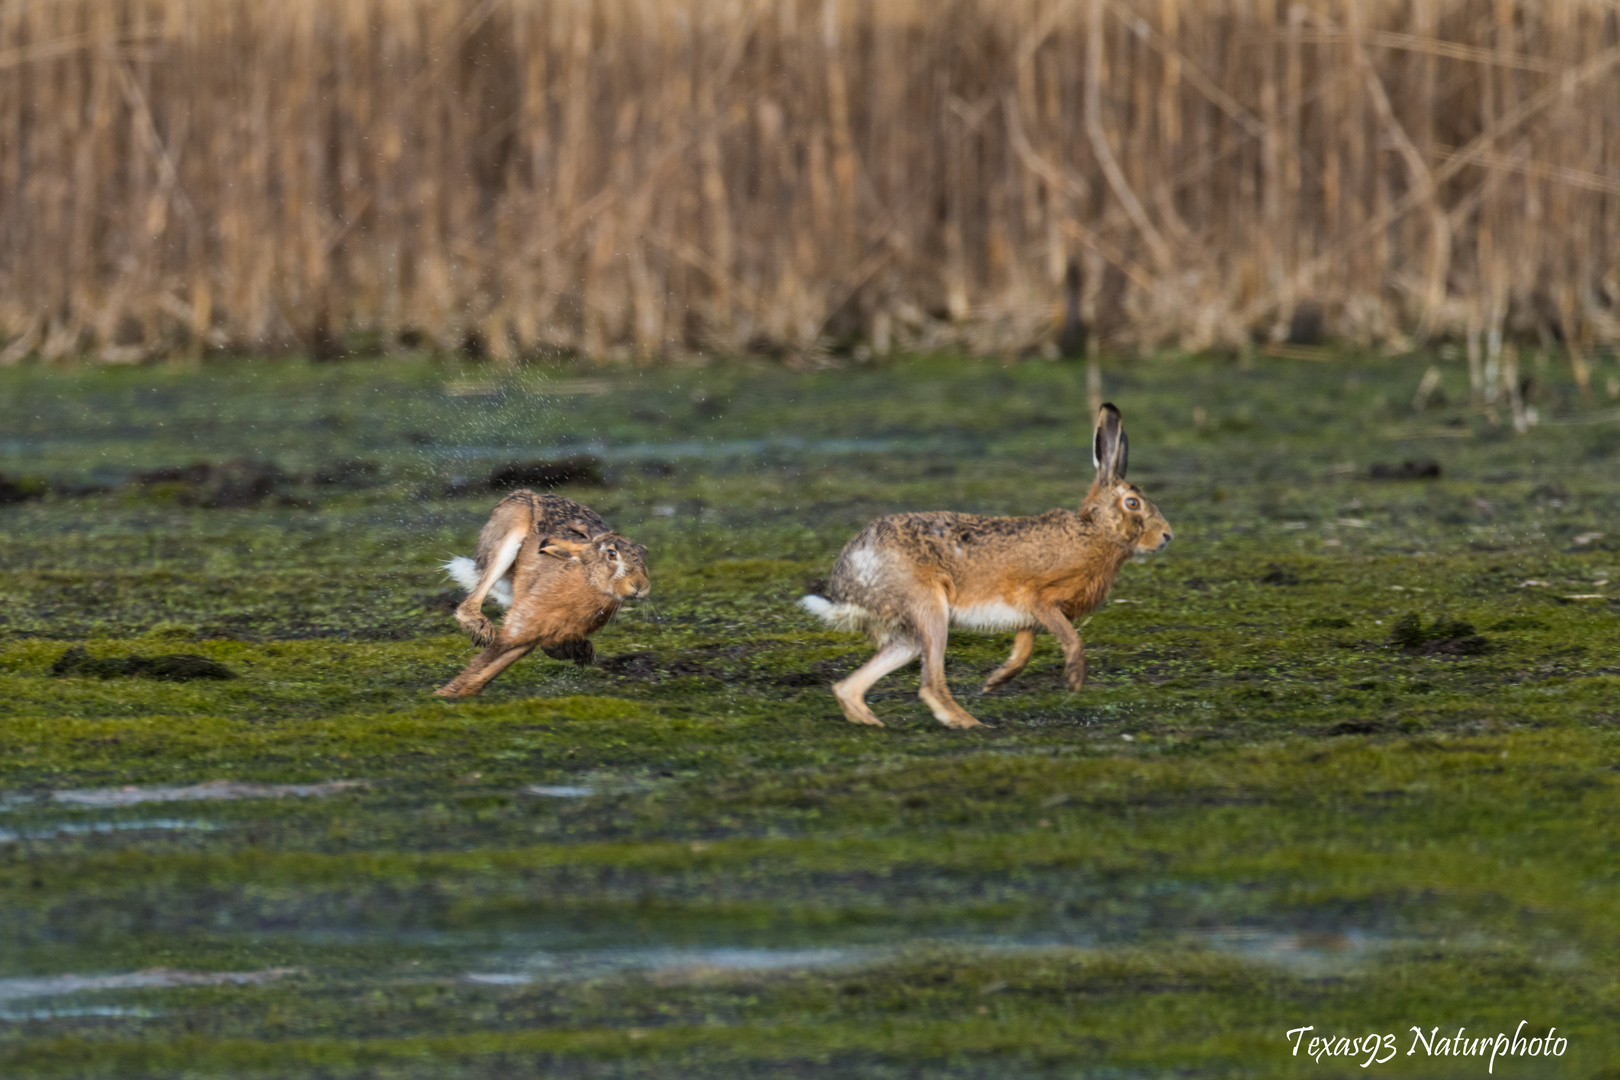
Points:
(646, 177)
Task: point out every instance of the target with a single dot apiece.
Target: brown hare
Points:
(908, 577)
(558, 570)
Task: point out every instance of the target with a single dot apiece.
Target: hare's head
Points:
(1116, 504)
(614, 565)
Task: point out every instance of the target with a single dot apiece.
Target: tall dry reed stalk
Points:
(647, 177)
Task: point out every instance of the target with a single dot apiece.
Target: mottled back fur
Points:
(543, 514)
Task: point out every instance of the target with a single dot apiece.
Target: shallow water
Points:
(1310, 954)
(96, 1011)
(151, 978)
(597, 963)
(211, 790)
(97, 828)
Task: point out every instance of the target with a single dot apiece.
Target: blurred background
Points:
(802, 178)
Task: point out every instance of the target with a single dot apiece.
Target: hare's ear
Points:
(1110, 450)
(562, 549)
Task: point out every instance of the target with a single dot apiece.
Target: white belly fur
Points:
(992, 617)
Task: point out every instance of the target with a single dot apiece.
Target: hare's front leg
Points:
(1023, 646)
(1074, 652)
(932, 627)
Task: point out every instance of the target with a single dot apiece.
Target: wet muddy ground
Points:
(1347, 757)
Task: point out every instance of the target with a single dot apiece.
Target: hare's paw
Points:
(855, 710)
(999, 677)
(478, 627)
(947, 711)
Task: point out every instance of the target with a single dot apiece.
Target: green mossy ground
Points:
(1270, 807)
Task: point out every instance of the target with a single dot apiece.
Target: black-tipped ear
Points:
(1109, 448)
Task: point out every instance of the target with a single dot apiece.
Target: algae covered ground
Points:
(1347, 760)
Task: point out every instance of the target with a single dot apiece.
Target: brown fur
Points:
(521, 514)
(563, 589)
(907, 577)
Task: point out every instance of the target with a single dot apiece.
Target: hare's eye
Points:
(1133, 503)
(613, 555)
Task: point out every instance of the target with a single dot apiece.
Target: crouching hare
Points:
(906, 579)
(559, 572)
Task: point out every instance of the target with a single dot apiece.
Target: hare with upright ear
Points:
(907, 578)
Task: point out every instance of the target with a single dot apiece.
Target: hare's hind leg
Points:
(469, 613)
(933, 627)
(1023, 646)
(851, 693)
(485, 666)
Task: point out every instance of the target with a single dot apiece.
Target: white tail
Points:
(464, 572)
(842, 616)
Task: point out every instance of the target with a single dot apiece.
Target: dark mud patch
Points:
(1358, 727)
(1279, 575)
(652, 666)
(233, 484)
(1518, 622)
(171, 667)
(822, 672)
(581, 471)
(1442, 637)
(711, 661)
(1405, 470)
(347, 474)
(226, 485)
(16, 489)
(756, 665)
(443, 602)
(1328, 622)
